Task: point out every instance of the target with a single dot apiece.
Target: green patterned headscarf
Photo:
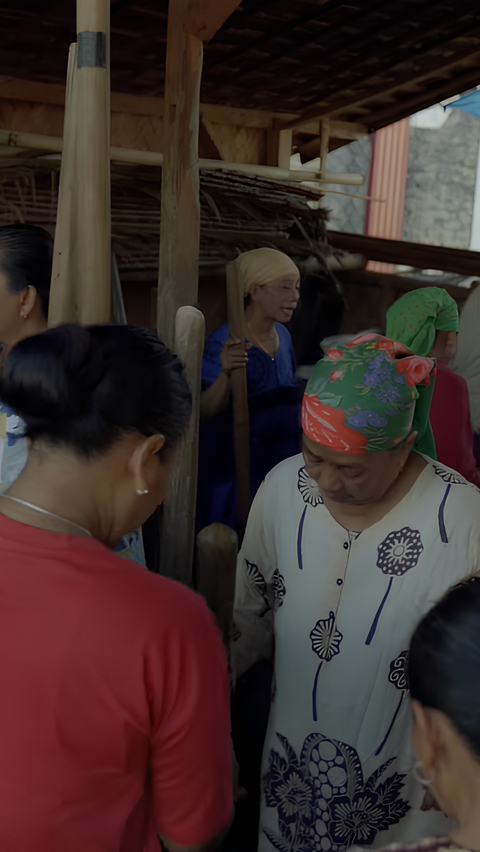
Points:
(368, 395)
(415, 318)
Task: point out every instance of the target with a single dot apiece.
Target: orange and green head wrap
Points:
(368, 395)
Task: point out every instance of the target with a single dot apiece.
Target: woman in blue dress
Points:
(271, 284)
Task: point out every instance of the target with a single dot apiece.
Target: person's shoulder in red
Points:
(132, 668)
(450, 420)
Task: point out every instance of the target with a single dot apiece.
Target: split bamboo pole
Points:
(177, 528)
(86, 278)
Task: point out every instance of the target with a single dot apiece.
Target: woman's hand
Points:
(233, 355)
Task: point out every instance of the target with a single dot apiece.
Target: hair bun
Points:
(53, 374)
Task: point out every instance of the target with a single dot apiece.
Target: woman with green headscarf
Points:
(347, 546)
(426, 320)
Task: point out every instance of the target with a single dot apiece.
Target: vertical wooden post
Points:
(177, 533)
(324, 141)
(279, 147)
(180, 208)
(241, 423)
(86, 162)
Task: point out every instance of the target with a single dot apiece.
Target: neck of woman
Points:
(263, 327)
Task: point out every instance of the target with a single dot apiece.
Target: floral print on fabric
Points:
(326, 638)
(326, 641)
(399, 552)
(398, 676)
(322, 800)
(309, 489)
(259, 585)
(362, 397)
(279, 589)
(399, 671)
(449, 476)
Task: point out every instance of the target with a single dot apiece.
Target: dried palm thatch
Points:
(238, 212)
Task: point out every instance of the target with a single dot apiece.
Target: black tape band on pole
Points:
(91, 50)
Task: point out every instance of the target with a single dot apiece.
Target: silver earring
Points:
(419, 776)
(141, 493)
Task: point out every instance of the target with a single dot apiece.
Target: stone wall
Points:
(442, 165)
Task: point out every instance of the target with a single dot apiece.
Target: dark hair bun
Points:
(81, 387)
(444, 660)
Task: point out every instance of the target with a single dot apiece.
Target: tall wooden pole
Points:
(177, 529)
(85, 186)
(241, 420)
(180, 208)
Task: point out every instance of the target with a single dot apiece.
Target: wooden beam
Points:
(189, 25)
(53, 93)
(203, 18)
(372, 88)
(419, 256)
(180, 207)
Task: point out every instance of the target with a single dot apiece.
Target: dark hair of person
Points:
(82, 387)
(444, 661)
(26, 253)
(319, 314)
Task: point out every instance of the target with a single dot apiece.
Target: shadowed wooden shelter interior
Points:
(369, 63)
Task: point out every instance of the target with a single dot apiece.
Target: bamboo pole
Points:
(54, 144)
(81, 281)
(177, 529)
(216, 563)
(241, 424)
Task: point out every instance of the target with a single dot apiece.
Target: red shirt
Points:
(114, 717)
(450, 419)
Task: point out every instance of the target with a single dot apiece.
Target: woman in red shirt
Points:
(114, 723)
(426, 320)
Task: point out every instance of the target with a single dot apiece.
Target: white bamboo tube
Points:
(177, 532)
(93, 234)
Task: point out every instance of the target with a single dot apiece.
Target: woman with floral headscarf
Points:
(346, 547)
(271, 283)
(426, 320)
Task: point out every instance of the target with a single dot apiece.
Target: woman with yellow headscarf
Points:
(271, 283)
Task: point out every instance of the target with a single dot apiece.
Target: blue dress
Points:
(274, 398)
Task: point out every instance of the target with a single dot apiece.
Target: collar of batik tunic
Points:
(368, 395)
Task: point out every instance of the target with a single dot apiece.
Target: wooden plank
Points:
(399, 283)
(419, 256)
(177, 533)
(279, 147)
(53, 93)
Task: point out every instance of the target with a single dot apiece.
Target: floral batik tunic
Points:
(340, 608)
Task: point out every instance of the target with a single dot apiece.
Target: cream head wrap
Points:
(261, 266)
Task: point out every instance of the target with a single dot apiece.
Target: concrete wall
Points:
(348, 214)
(442, 166)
